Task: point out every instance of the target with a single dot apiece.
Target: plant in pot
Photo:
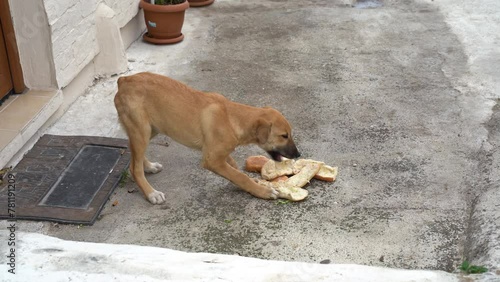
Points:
(164, 20)
(200, 3)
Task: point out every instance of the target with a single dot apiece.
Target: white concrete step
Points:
(21, 117)
(42, 258)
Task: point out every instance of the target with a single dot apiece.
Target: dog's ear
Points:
(263, 130)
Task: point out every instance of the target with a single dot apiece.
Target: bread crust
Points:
(280, 178)
(327, 173)
(255, 163)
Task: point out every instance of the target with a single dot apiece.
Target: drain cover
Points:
(80, 181)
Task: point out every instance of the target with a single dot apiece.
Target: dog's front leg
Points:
(231, 162)
(220, 166)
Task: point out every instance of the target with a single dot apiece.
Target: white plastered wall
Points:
(33, 41)
(73, 36)
(62, 40)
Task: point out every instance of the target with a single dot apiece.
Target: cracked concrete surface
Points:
(401, 97)
(483, 238)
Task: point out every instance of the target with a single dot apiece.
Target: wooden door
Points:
(11, 73)
(5, 75)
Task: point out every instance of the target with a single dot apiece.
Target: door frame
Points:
(11, 46)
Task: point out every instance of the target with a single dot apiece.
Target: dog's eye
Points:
(285, 136)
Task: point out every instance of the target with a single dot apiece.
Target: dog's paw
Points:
(153, 168)
(274, 194)
(156, 197)
(267, 193)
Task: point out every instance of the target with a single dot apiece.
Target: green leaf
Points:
(472, 269)
(464, 266)
(282, 202)
(124, 178)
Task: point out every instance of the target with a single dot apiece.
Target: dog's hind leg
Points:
(150, 167)
(138, 142)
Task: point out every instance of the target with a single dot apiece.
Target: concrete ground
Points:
(400, 95)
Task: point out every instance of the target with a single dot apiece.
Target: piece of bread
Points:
(284, 191)
(272, 169)
(304, 176)
(280, 178)
(327, 173)
(294, 194)
(299, 164)
(291, 188)
(255, 163)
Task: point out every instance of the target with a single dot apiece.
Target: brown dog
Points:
(148, 104)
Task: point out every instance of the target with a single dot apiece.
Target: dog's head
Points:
(274, 135)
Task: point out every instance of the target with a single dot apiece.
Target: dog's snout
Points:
(292, 151)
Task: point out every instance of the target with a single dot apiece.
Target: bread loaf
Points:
(272, 169)
(276, 174)
(255, 163)
(291, 188)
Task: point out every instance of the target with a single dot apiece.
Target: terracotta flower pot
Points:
(164, 22)
(200, 3)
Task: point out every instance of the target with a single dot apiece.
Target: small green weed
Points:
(282, 202)
(228, 221)
(124, 178)
(472, 269)
(4, 172)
